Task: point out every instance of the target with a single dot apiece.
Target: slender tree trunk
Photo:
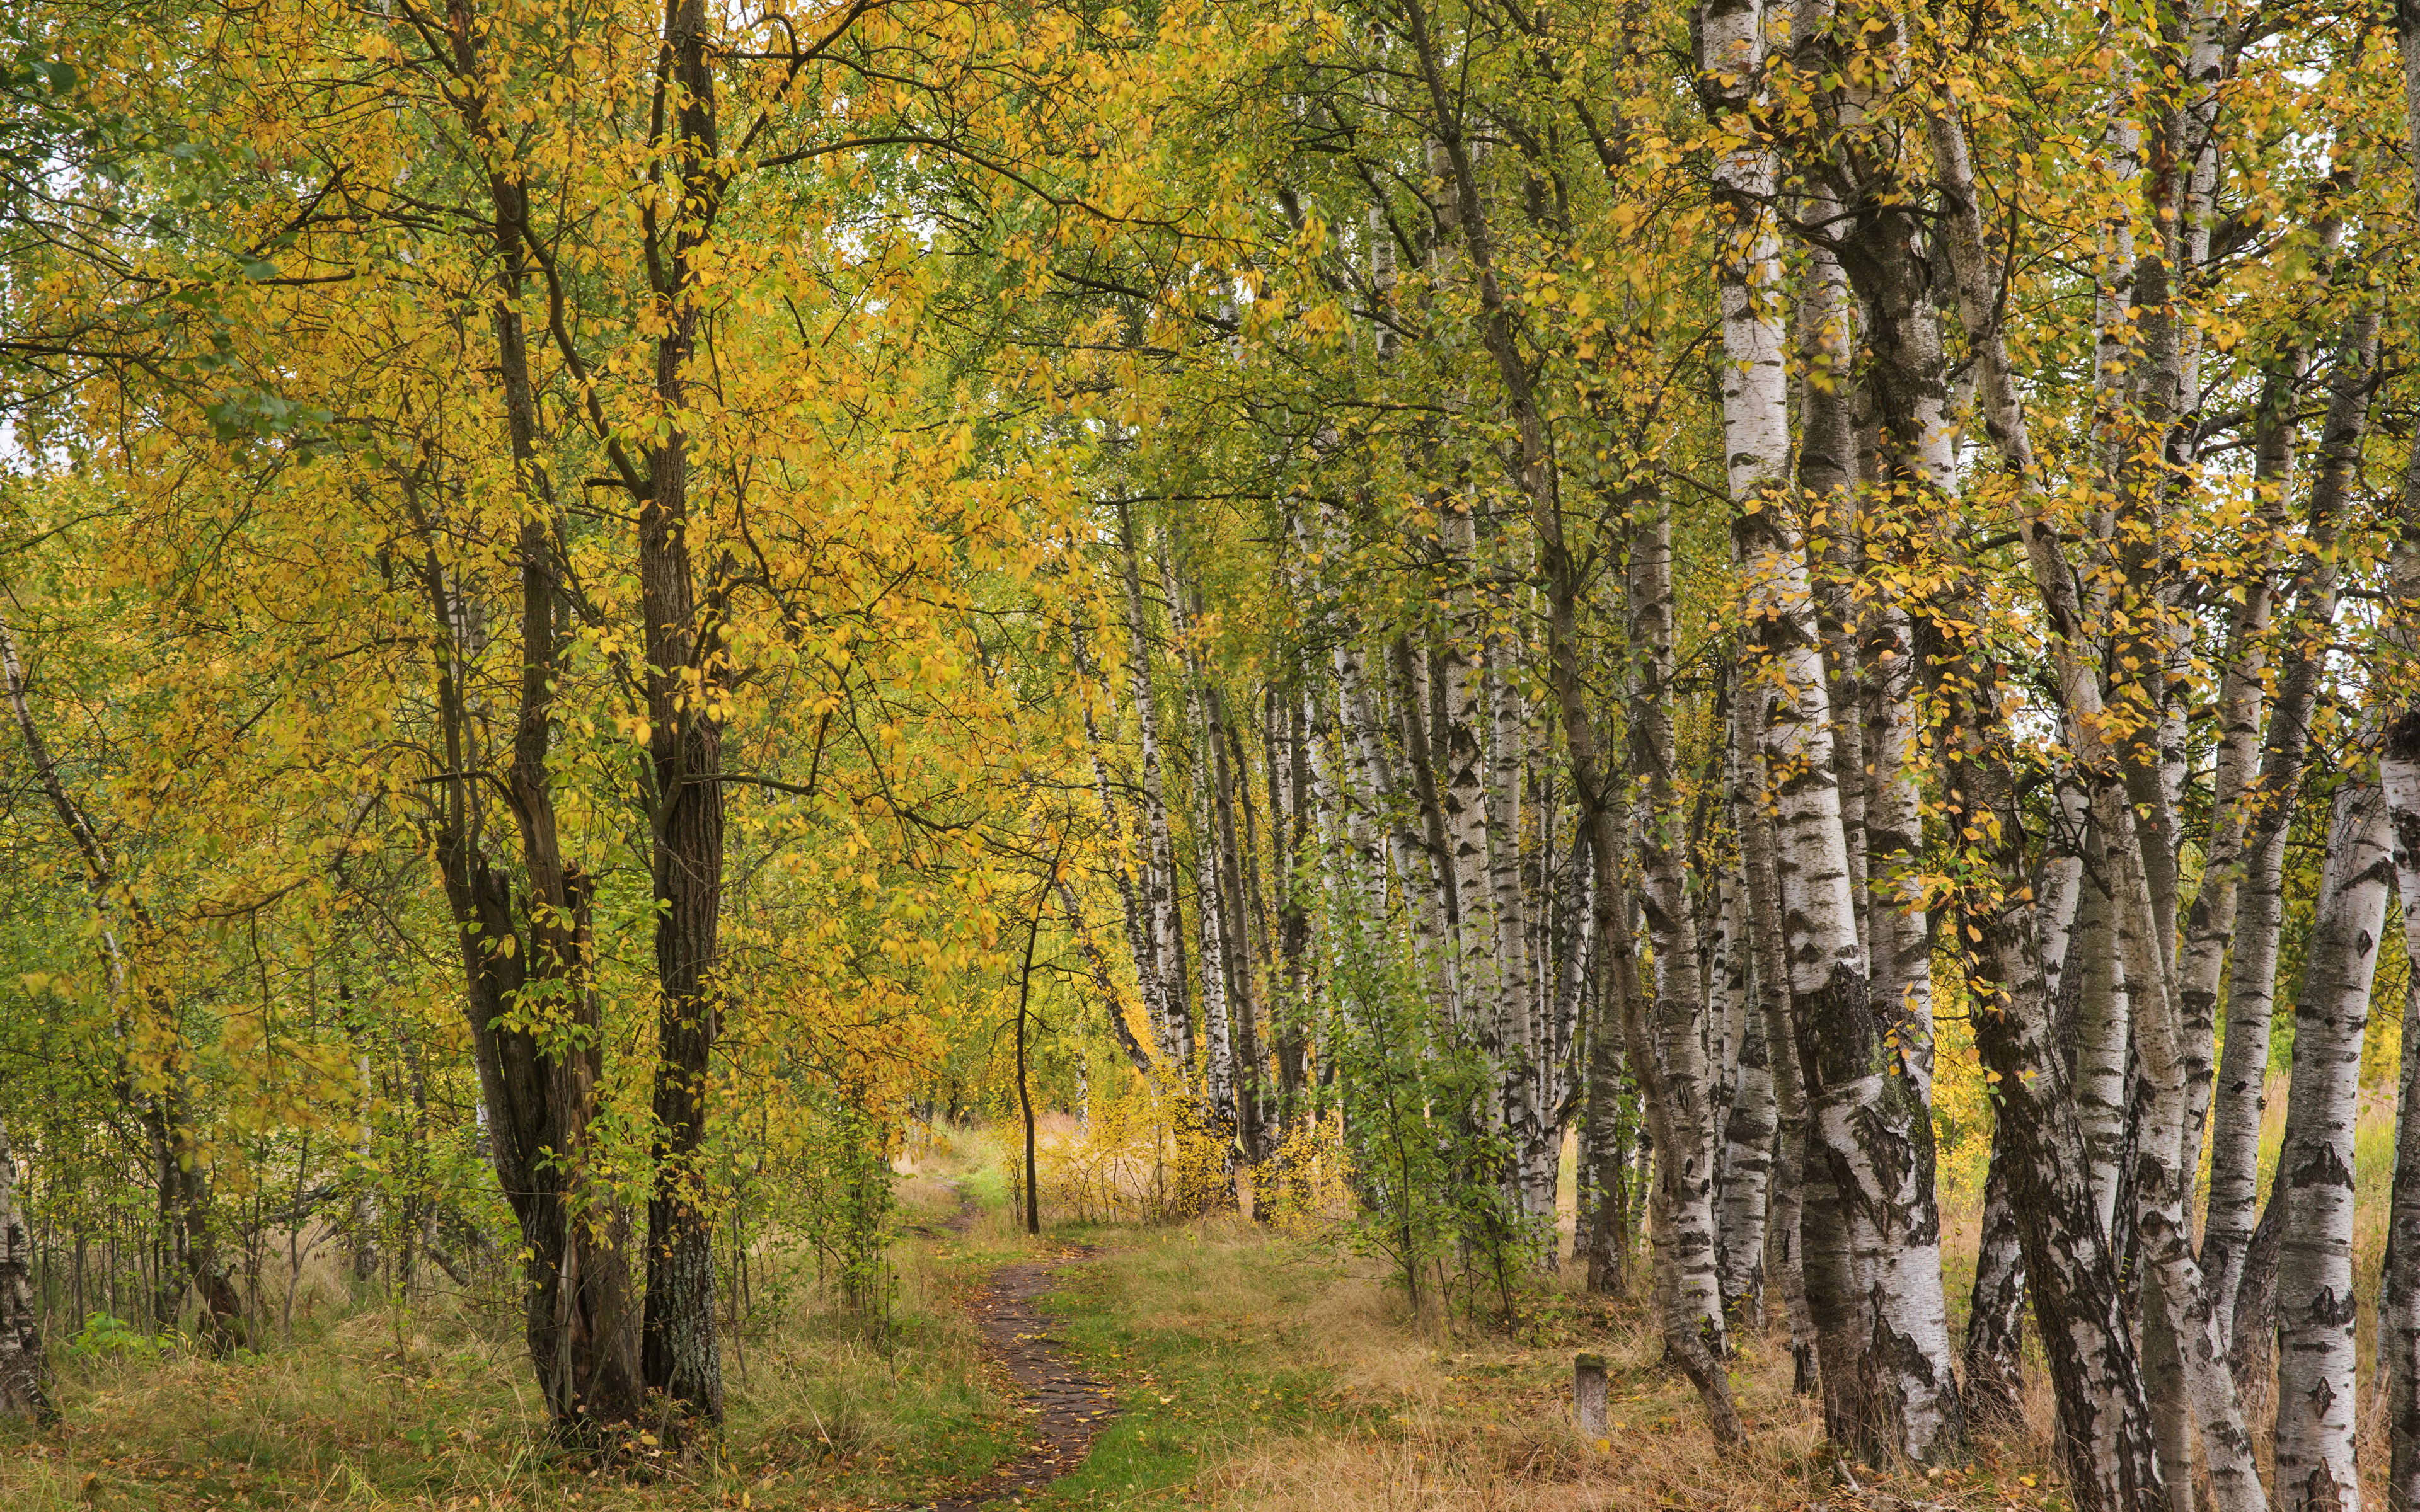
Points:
(1169, 1011)
(1517, 1011)
(1795, 1183)
(1685, 1162)
(2183, 1334)
(2398, 1309)
(2315, 1401)
(1603, 1240)
(1748, 1118)
(2241, 1092)
(1138, 926)
(24, 1375)
(2103, 1036)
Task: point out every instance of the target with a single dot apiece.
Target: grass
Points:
(432, 1408)
(1252, 1368)
(1264, 1372)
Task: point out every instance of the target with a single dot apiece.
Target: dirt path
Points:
(1064, 1409)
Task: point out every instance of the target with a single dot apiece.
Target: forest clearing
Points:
(952, 753)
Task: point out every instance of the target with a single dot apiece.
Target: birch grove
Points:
(1713, 655)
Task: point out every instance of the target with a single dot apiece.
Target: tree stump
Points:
(1589, 1391)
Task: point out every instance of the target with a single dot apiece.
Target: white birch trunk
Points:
(22, 1374)
(2241, 1092)
(1680, 998)
(2186, 1330)
(1515, 982)
(2103, 1037)
(1172, 1019)
(2315, 1401)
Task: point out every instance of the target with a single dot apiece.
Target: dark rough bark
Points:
(2104, 1439)
(532, 1025)
(1604, 1240)
(684, 668)
(1995, 1354)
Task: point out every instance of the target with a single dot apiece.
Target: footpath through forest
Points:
(1066, 1406)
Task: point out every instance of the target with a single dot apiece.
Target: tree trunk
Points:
(1603, 1238)
(1684, 1148)
(2398, 1314)
(24, 1375)
(2102, 1039)
(1171, 1014)
(1994, 1355)
(1748, 1128)
(2183, 1334)
(2315, 1399)
(1795, 1182)
(685, 672)
(2244, 1065)
(2104, 1439)
(2398, 1309)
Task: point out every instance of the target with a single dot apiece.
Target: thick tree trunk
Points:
(2104, 1439)
(1867, 1092)
(535, 1031)
(2315, 1399)
(1994, 1353)
(680, 1353)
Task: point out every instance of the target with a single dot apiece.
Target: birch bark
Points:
(22, 1373)
(2315, 1399)
(1994, 1353)
(1795, 1183)
(2241, 1092)
(1685, 1153)
(1170, 1011)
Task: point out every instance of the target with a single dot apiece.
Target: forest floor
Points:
(1211, 1363)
